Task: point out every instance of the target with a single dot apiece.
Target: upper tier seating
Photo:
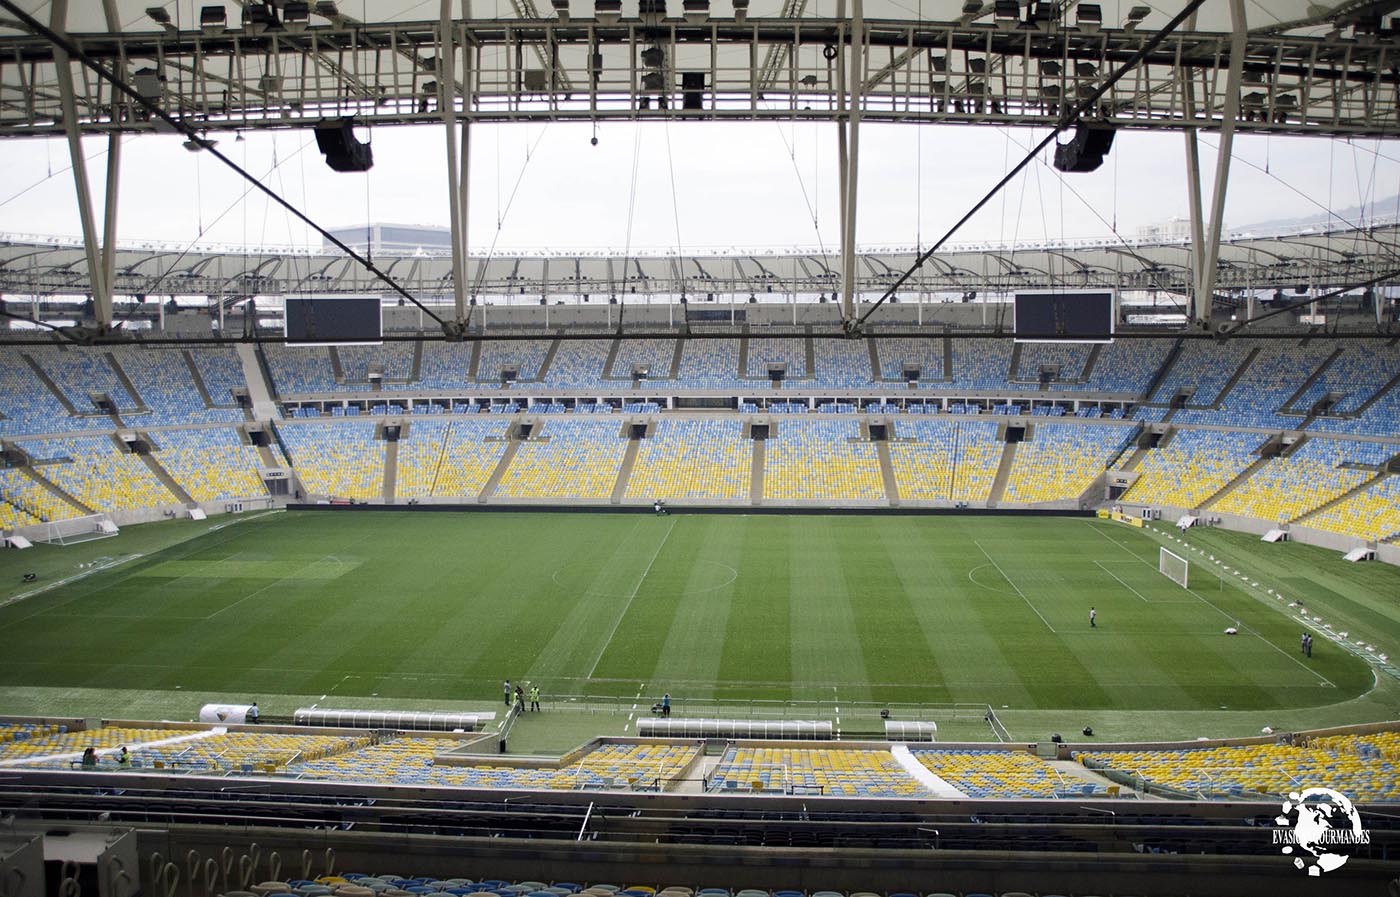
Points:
(817, 459)
(982, 365)
(841, 363)
(1059, 462)
(578, 364)
(1127, 366)
(712, 364)
(655, 355)
(952, 459)
(1070, 358)
(574, 457)
(341, 460)
(167, 388)
(1308, 477)
(924, 353)
(221, 371)
(1192, 467)
(82, 374)
(445, 365)
(1206, 366)
(693, 459)
(304, 369)
(30, 407)
(394, 360)
(840, 771)
(1264, 389)
(1358, 373)
(211, 464)
(764, 351)
(525, 357)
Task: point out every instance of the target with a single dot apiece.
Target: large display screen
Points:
(1064, 317)
(334, 319)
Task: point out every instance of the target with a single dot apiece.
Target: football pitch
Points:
(862, 610)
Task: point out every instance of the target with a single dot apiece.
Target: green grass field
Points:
(429, 609)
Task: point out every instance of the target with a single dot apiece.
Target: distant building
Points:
(1168, 231)
(399, 239)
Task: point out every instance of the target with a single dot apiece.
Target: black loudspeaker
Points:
(693, 90)
(343, 151)
(1086, 151)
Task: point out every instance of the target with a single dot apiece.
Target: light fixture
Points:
(561, 9)
(1006, 14)
(213, 19)
(741, 10)
(1135, 17)
(258, 18)
(653, 57)
(296, 15)
(696, 12)
(1089, 17)
(158, 14)
(607, 12)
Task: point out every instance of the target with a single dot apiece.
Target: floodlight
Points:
(327, 9)
(257, 19)
(561, 9)
(696, 12)
(1006, 14)
(213, 19)
(741, 10)
(159, 15)
(653, 57)
(296, 14)
(607, 12)
(1089, 17)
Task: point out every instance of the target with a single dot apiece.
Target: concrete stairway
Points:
(1234, 483)
(1008, 458)
(391, 471)
(164, 476)
(760, 455)
(624, 473)
(495, 479)
(882, 451)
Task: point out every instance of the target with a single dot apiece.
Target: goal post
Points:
(1174, 567)
(76, 529)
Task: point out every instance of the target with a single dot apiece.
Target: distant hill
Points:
(1339, 218)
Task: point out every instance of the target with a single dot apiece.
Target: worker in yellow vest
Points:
(534, 697)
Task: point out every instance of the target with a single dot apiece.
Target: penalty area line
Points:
(635, 589)
(1014, 586)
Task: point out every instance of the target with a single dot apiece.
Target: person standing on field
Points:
(1093, 616)
(535, 698)
(506, 693)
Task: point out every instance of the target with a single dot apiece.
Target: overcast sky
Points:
(696, 186)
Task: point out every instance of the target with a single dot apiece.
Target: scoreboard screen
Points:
(333, 319)
(1064, 317)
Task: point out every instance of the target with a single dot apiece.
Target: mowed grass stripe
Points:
(856, 608)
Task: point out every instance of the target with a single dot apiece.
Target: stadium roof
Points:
(1315, 260)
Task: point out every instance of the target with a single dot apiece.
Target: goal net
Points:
(77, 529)
(1173, 567)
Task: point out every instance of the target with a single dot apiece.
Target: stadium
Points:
(1018, 539)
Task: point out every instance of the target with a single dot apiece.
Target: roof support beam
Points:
(1208, 244)
(99, 281)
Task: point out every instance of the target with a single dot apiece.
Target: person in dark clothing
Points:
(519, 699)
